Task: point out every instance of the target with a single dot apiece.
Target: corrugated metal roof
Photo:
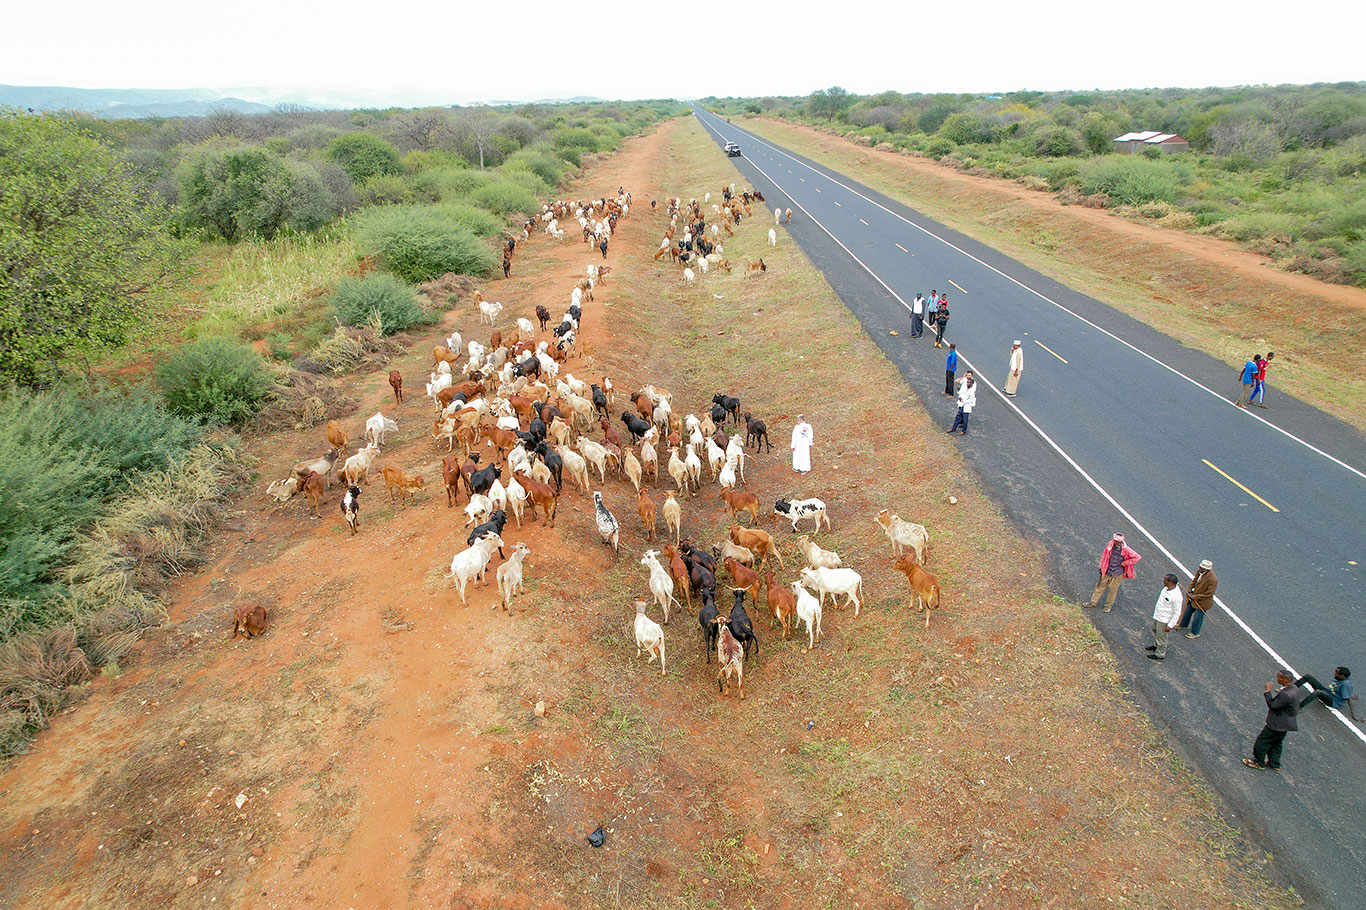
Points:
(1149, 136)
(1160, 137)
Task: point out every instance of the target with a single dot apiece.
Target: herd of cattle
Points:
(525, 425)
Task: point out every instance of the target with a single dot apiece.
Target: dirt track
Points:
(407, 768)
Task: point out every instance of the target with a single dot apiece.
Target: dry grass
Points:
(263, 280)
(1227, 312)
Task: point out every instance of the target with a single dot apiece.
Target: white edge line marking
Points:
(1195, 382)
(1281, 661)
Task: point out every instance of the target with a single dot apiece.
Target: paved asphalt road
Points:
(1119, 428)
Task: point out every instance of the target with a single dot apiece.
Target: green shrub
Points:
(364, 155)
(539, 160)
(251, 192)
(419, 243)
(527, 181)
(457, 182)
(581, 139)
(480, 221)
(386, 189)
(506, 197)
(62, 454)
(939, 146)
(1354, 262)
(355, 299)
(218, 379)
(1129, 180)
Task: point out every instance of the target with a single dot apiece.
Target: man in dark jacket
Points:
(1281, 707)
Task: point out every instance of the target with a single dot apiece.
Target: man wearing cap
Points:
(1117, 563)
(1165, 614)
(1281, 707)
(1016, 367)
(1199, 598)
(803, 437)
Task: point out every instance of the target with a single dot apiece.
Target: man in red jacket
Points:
(1117, 563)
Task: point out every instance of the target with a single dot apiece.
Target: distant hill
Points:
(125, 102)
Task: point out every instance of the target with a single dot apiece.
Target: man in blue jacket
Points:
(950, 367)
(1249, 380)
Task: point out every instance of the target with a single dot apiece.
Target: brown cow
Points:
(396, 383)
(738, 502)
(248, 621)
(313, 486)
(646, 507)
(397, 479)
(450, 476)
(336, 436)
(781, 601)
(925, 592)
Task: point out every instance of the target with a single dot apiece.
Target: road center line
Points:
(1050, 350)
(902, 248)
(1072, 462)
(957, 285)
(1230, 479)
(836, 203)
(866, 224)
(1166, 366)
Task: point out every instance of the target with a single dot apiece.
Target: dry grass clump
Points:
(447, 290)
(302, 398)
(109, 597)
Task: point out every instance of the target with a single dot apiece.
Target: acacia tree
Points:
(480, 126)
(81, 247)
(830, 101)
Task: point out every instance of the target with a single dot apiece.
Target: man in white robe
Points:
(803, 437)
(1016, 368)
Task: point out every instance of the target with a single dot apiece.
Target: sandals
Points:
(1253, 763)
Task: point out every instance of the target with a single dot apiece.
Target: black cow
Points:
(731, 405)
(493, 525)
(741, 627)
(706, 618)
(636, 425)
(554, 462)
(482, 481)
(757, 430)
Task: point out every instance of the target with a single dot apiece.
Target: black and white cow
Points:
(799, 509)
(350, 507)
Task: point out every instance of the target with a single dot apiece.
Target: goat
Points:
(649, 636)
(809, 612)
(249, 621)
(678, 571)
(835, 582)
(710, 621)
(479, 509)
(797, 510)
(737, 502)
(630, 466)
(772, 236)
(727, 478)
(904, 534)
(314, 486)
(755, 266)
(543, 495)
(789, 216)
(450, 477)
(396, 383)
(661, 584)
(323, 465)
(645, 506)
(678, 470)
(378, 427)
(744, 577)
(398, 480)
(609, 529)
(497, 520)
(510, 575)
(575, 465)
(777, 219)
(757, 541)
(673, 514)
(543, 315)
(595, 454)
(283, 490)
(516, 499)
(730, 548)
(730, 407)
(693, 464)
(357, 467)
(689, 277)
(637, 426)
(473, 562)
(780, 602)
(817, 558)
(350, 507)
(731, 657)
(925, 591)
(336, 436)
(489, 312)
(482, 481)
(741, 626)
(758, 431)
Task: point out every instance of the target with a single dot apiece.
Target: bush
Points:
(1128, 180)
(539, 160)
(387, 189)
(457, 182)
(527, 181)
(580, 139)
(61, 455)
(363, 155)
(480, 221)
(355, 299)
(251, 192)
(419, 243)
(939, 146)
(506, 197)
(218, 379)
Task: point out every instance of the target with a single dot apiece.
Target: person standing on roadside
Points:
(918, 316)
(1016, 368)
(941, 318)
(1259, 389)
(1282, 706)
(1248, 379)
(1117, 563)
(1199, 598)
(932, 309)
(1166, 612)
(967, 400)
(950, 367)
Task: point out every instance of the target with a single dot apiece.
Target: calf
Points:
(835, 582)
(510, 575)
(397, 480)
(758, 431)
(925, 593)
(494, 525)
(450, 476)
(745, 578)
(248, 621)
(646, 507)
(314, 485)
(796, 510)
(396, 383)
(649, 636)
(809, 612)
(780, 602)
(741, 627)
(737, 502)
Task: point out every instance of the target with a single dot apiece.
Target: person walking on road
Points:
(967, 400)
(1338, 694)
(918, 316)
(803, 438)
(1248, 379)
(1016, 368)
(1281, 707)
(1259, 388)
(950, 368)
(1117, 563)
(1166, 612)
(1199, 598)
(941, 319)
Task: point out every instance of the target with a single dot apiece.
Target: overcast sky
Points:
(406, 53)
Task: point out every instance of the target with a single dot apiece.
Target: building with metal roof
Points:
(1133, 143)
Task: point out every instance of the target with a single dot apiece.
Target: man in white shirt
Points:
(967, 400)
(1166, 614)
(1016, 368)
(918, 316)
